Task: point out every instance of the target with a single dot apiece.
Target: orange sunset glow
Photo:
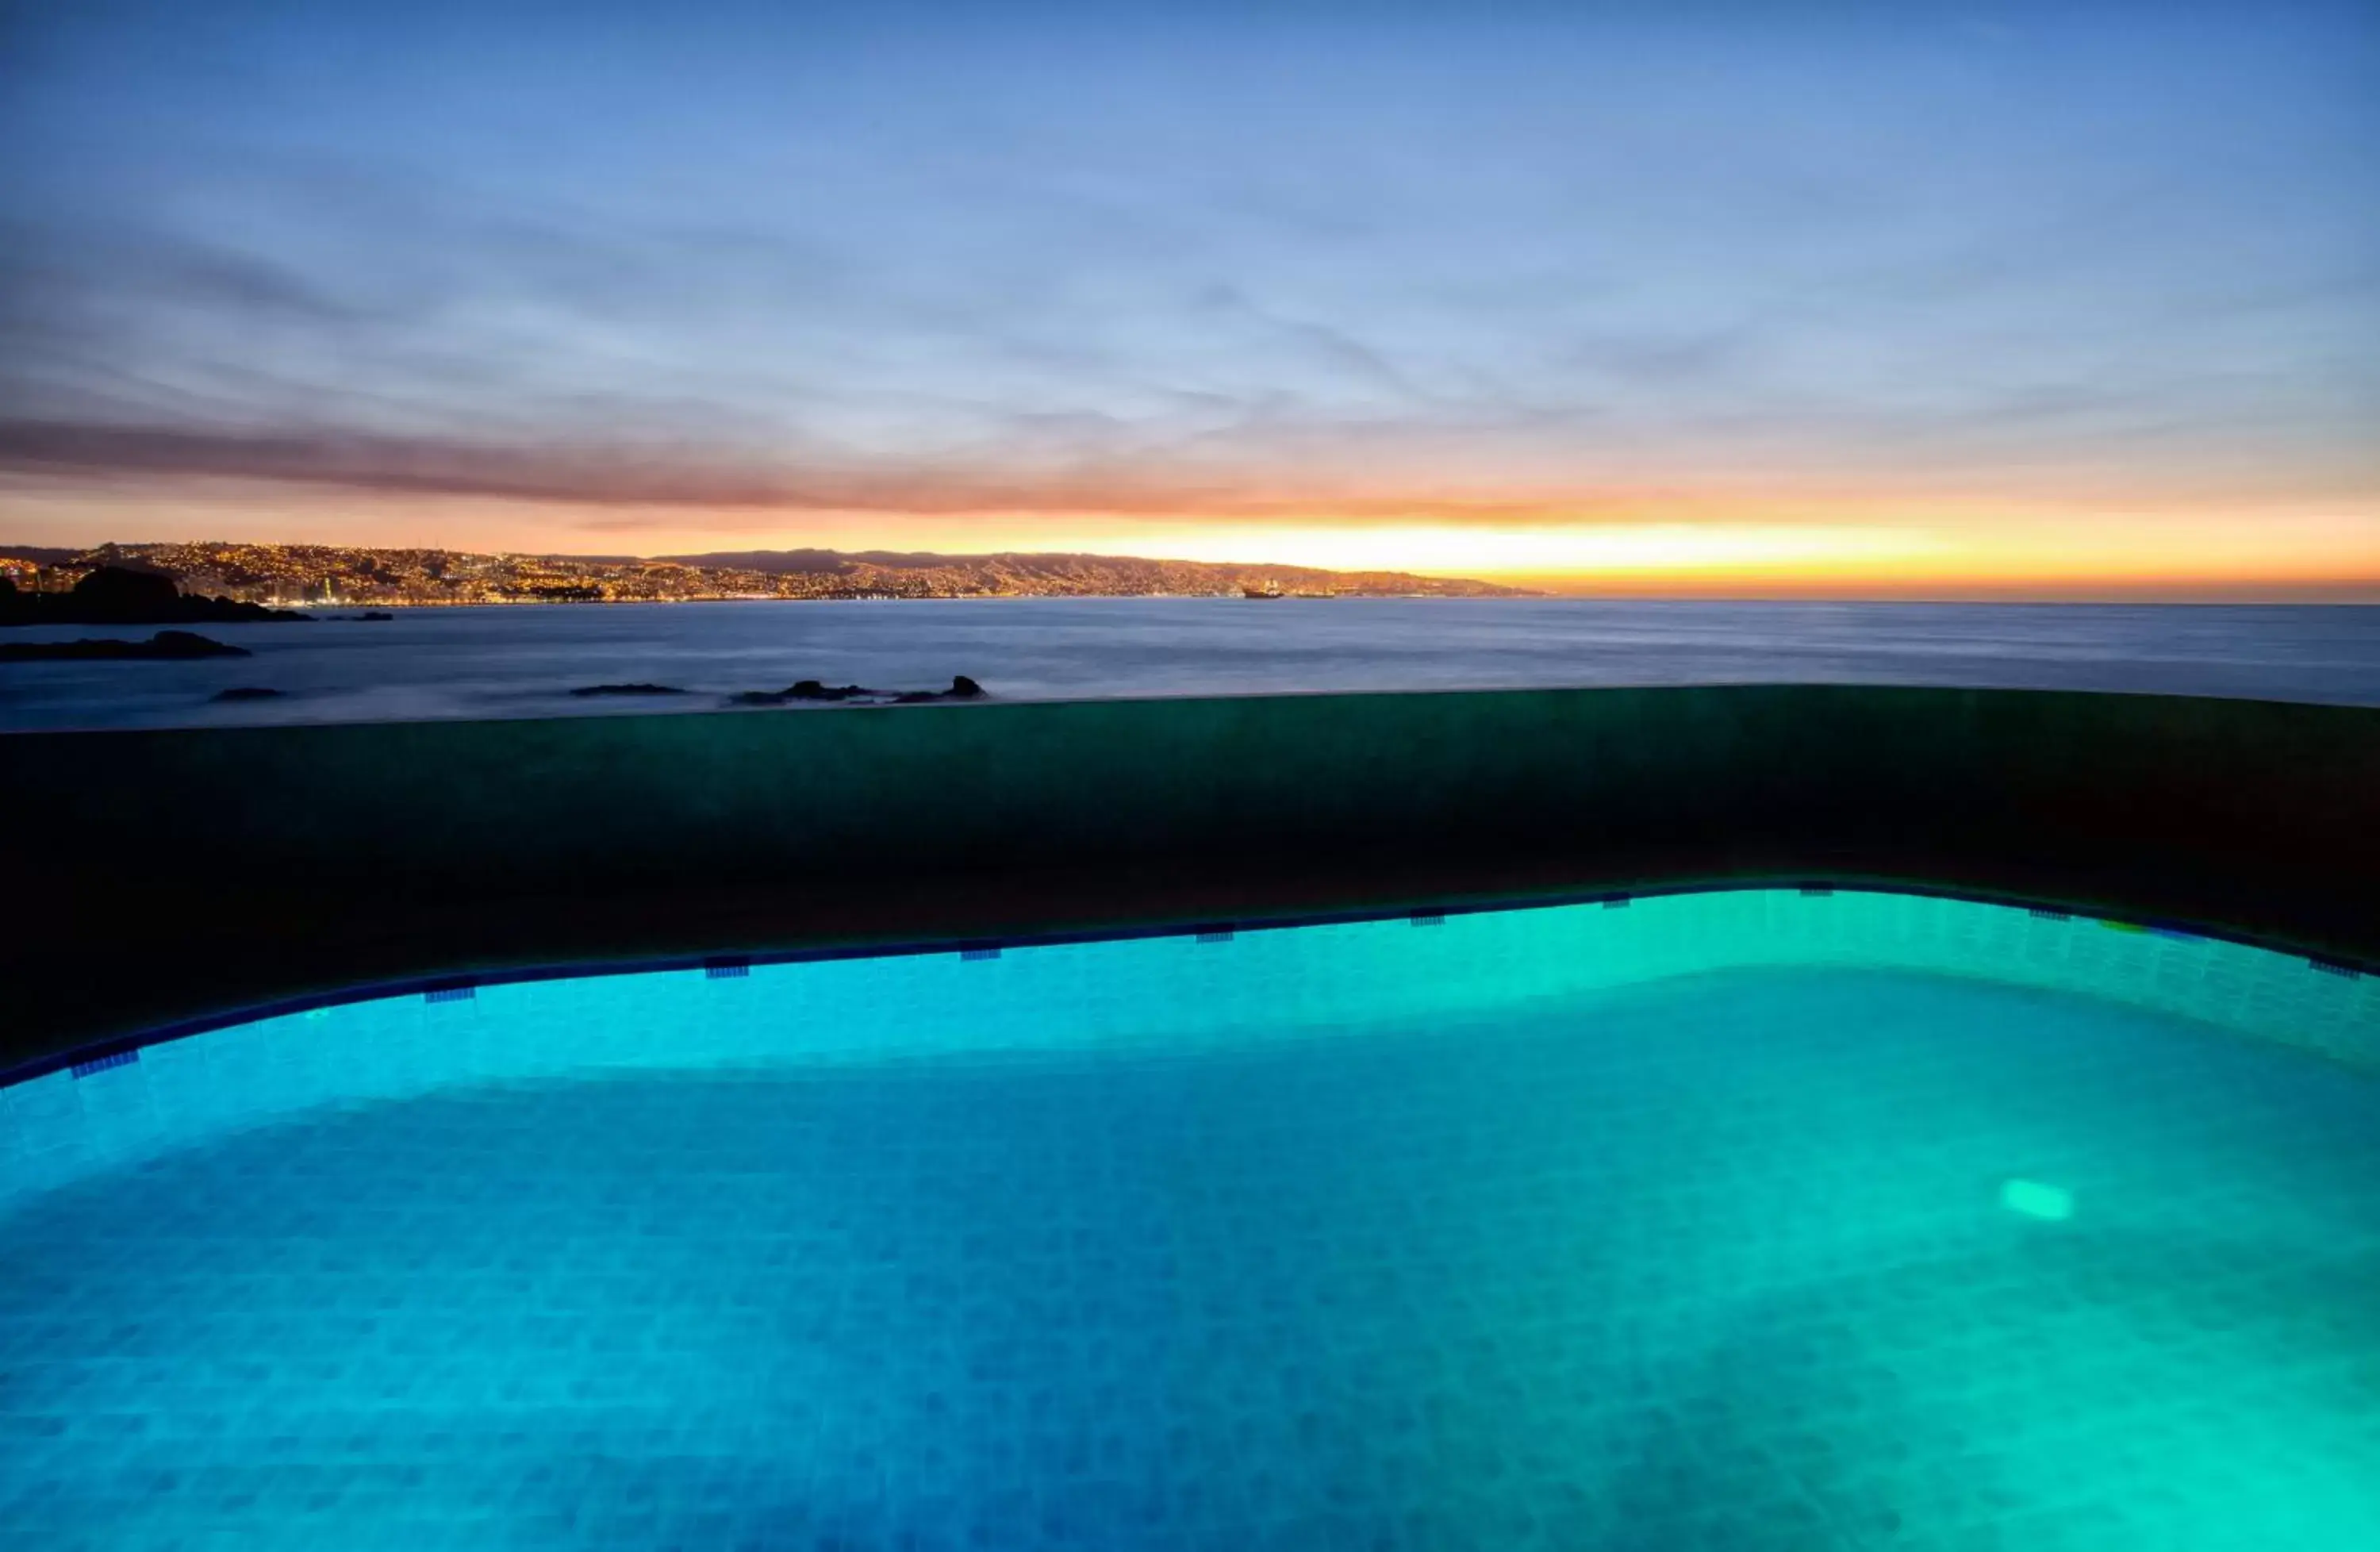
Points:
(1714, 547)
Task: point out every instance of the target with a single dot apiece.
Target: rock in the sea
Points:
(375, 614)
(249, 692)
(804, 689)
(627, 690)
(165, 643)
(961, 688)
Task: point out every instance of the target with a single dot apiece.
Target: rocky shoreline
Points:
(961, 688)
(115, 596)
(808, 691)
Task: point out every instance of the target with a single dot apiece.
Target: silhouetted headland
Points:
(627, 690)
(169, 644)
(115, 596)
(249, 692)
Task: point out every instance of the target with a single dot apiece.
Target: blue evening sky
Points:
(618, 276)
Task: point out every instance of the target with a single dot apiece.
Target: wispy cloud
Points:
(596, 475)
(1457, 272)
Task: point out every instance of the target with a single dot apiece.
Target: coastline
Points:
(342, 576)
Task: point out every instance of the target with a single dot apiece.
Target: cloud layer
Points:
(1546, 268)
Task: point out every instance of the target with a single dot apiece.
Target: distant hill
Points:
(355, 575)
(779, 561)
(1061, 573)
(773, 563)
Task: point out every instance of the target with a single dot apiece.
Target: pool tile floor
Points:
(1725, 1262)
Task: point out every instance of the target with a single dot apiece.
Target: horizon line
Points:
(1583, 586)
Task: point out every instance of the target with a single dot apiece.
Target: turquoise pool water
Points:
(1717, 1221)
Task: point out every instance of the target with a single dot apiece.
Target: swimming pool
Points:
(1757, 1219)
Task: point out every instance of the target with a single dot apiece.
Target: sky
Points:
(1949, 300)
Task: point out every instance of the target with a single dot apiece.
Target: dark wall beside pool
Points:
(158, 876)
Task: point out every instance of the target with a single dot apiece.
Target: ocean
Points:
(524, 661)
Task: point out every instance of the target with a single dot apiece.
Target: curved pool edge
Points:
(737, 960)
(116, 1105)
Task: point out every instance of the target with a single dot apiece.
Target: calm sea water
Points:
(523, 662)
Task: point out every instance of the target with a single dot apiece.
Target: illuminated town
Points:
(340, 575)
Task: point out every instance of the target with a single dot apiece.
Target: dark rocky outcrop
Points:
(171, 645)
(811, 690)
(249, 692)
(118, 596)
(806, 689)
(961, 688)
(627, 690)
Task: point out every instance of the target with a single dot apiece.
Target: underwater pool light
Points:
(2051, 1203)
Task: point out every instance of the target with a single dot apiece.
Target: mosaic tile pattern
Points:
(1724, 1261)
(1173, 993)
